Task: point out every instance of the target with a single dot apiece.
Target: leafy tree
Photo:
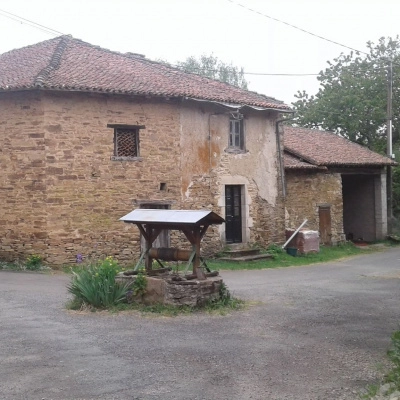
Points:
(352, 99)
(213, 68)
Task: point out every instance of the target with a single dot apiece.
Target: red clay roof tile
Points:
(328, 149)
(292, 162)
(65, 63)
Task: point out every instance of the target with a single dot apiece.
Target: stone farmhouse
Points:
(338, 185)
(88, 134)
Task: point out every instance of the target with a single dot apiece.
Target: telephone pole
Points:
(389, 178)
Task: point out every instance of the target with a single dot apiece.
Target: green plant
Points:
(95, 284)
(224, 302)
(275, 249)
(393, 375)
(370, 392)
(33, 262)
(140, 284)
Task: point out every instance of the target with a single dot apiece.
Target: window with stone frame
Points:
(236, 131)
(126, 142)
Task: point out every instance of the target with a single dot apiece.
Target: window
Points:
(236, 132)
(126, 142)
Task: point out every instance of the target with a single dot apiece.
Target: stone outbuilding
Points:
(338, 185)
(88, 134)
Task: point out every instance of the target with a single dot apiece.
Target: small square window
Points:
(236, 133)
(126, 142)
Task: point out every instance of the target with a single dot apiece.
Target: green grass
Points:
(392, 375)
(282, 259)
(22, 266)
(221, 307)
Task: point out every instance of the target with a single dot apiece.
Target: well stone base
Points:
(166, 290)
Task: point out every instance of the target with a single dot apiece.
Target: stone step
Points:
(241, 252)
(253, 257)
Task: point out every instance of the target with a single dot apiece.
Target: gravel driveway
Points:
(314, 332)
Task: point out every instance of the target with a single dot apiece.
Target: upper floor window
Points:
(126, 142)
(236, 131)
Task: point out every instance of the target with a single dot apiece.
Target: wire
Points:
(54, 32)
(30, 23)
(354, 71)
(296, 27)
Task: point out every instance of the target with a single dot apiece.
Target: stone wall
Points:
(23, 219)
(62, 194)
(306, 191)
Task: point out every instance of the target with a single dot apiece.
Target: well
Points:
(171, 289)
(163, 286)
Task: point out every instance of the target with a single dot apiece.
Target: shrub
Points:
(275, 249)
(34, 262)
(140, 284)
(95, 284)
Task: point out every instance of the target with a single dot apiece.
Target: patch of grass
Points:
(282, 259)
(21, 266)
(216, 307)
(393, 376)
(391, 379)
(371, 391)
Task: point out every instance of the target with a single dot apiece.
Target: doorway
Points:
(359, 215)
(233, 213)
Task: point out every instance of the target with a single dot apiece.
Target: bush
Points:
(34, 262)
(95, 285)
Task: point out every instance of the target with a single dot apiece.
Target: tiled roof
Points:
(292, 162)
(65, 63)
(323, 148)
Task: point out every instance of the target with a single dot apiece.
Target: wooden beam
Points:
(196, 262)
(148, 261)
(142, 231)
(189, 235)
(203, 231)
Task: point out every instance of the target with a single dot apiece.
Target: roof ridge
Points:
(168, 66)
(54, 63)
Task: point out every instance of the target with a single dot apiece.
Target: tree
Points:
(213, 68)
(352, 99)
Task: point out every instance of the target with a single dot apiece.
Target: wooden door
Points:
(233, 213)
(325, 227)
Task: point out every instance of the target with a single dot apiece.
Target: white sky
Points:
(175, 29)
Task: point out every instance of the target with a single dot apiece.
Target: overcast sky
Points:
(175, 29)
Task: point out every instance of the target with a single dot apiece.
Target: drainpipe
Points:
(278, 145)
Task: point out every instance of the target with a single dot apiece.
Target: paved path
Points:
(314, 332)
